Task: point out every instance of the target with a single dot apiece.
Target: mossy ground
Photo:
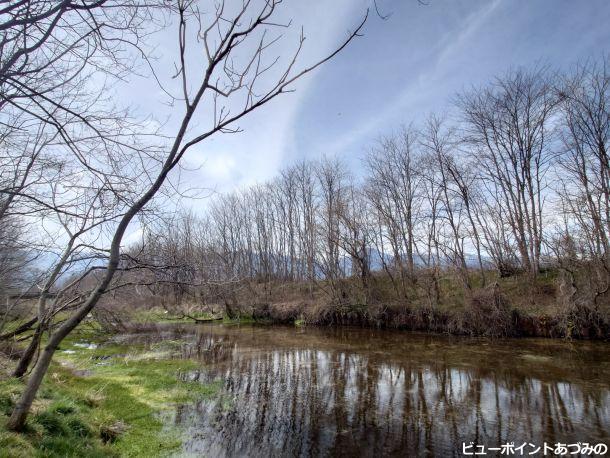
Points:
(158, 315)
(104, 401)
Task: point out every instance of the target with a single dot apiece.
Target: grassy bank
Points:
(504, 307)
(550, 304)
(486, 314)
(103, 401)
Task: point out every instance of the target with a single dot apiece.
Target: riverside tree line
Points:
(514, 183)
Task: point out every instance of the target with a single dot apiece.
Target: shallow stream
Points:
(352, 392)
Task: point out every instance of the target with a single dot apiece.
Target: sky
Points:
(403, 69)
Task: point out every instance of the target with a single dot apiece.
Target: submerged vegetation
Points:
(101, 400)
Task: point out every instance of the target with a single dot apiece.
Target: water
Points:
(354, 392)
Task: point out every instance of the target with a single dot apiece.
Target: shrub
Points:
(488, 314)
(583, 322)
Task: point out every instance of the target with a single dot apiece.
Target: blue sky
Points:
(403, 69)
(413, 63)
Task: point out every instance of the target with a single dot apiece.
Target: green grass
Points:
(159, 315)
(114, 410)
(243, 319)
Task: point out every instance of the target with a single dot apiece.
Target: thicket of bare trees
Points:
(516, 185)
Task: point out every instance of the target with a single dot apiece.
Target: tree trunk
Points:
(20, 330)
(17, 420)
(28, 355)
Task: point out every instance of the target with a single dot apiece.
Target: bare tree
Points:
(331, 184)
(225, 76)
(584, 184)
(48, 48)
(508, 124)
(393, 187)
(439, 146)
(586, 165)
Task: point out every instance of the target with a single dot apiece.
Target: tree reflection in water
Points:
(353, 392)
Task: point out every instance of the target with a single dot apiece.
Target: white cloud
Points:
(232, 161)
(220, 167)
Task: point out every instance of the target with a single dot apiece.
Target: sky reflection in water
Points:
(354, 392)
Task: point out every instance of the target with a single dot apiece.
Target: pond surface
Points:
(352, 392)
